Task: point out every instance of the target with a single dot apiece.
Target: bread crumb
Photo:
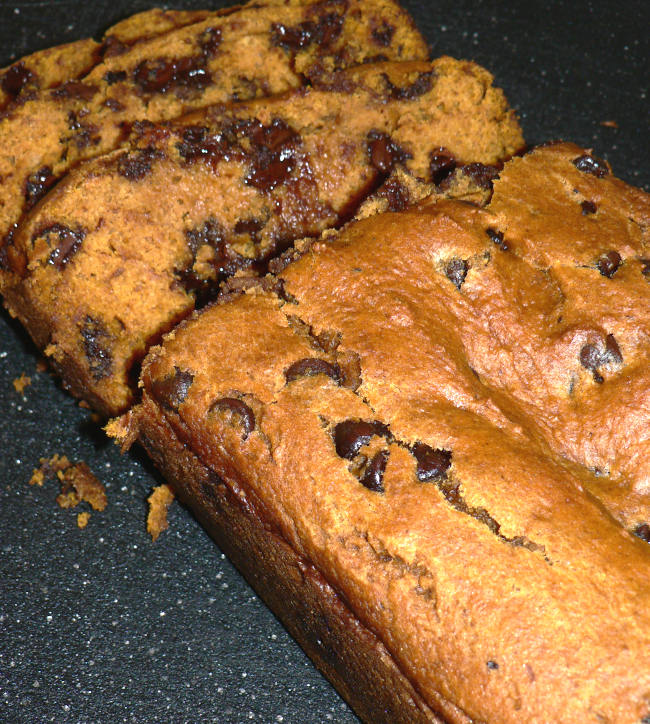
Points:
(159, 501)
(609, 124)
(82, 519)
(77, 482)
(21, 382)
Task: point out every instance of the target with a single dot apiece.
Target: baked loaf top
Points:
(239, 53)
(410, 404)
(120, 250)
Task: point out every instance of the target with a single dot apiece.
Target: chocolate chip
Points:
(441, 164)
(373, 476)
(456, 271)
(642, 531)
(383, 34)
(75, 89)
(395, 193)
(592, 165)
(482, 174)
(171, 391)
(312, 366)
(492, 665)
(588, 207)
(497, 238)
(161, 75)
(609, 263)
(37, 185)
(295, 38)
(249, 227)
(612, 350)
(69, 241)
(210, 41)
(16, 78)
(383, 152)
(239, 411)
(135, 165)
(95, 340)
(591, 359)
(351, 435)
(421, 85)
(114, 76)
(433, 463)
(274, 154)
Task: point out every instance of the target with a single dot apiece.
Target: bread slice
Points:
(124, 247)
(252, 51)
(377, 418)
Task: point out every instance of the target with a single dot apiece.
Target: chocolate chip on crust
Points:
(312, 366)
(432, 463)
(373, 476)
(69, 241)
(592, 165)
(351, 435)
(497, 238)
(588, 207)
(238, 412)
(642, 531)
(171, 391)
(608, 263)
(456, 271)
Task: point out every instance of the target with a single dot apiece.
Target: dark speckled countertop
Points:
(102, 625)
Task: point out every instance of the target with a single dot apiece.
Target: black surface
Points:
(101, 625)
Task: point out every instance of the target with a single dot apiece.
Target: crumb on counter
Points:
(20, 383)
(159, 501)
(609, 124)
(82, 519)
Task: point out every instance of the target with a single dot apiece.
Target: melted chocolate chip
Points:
(75, 89)
(239, 411)
(16, 78)
(591, 359)
(249, 227)
(421, 85)
(441, 164)
(483, 175)
(114, 76)
(612, 350)
(37, 185)
(351, 435)
(69, 241)
(492, 665)
(456, 271)
(395, 193)
(592, 165)
(312, 366)
(161, 75)
(113, 47)
(135, 165)
(210, 41)
(171, 391)
(642, 531)
(497, 238)
(609, 263)
(95, 340)
(383, 152)
(383, 34)
(274, 154)
(433, 463)
(373, 476)
(113, 104)
(298, 37)
(588, 207)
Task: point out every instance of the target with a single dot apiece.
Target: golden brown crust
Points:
(383, 417)
(109, 260)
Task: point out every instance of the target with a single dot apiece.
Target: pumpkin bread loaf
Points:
(425, 441)
(123, 248)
